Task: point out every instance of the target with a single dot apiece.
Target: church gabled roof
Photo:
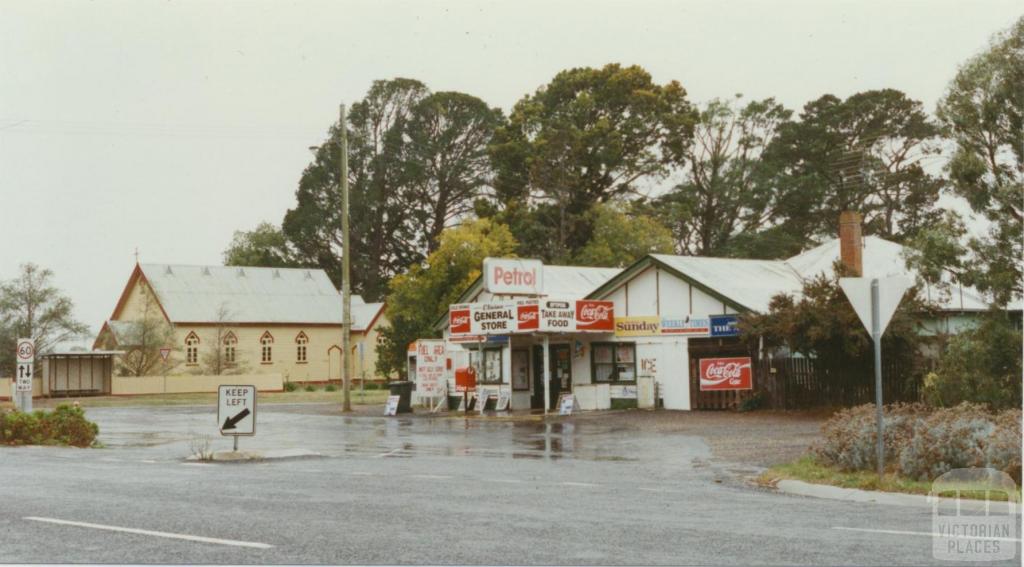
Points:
(214, 294)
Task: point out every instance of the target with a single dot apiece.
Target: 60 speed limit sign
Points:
(26, 354)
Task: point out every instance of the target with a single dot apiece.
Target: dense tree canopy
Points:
(586, 137)
(720, 195)
(865, 153)
(983, 112)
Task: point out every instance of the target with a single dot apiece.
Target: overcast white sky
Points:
(167, 125)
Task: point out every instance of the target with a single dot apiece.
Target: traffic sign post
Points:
(25, 354)
(236, 411)
(875, 301)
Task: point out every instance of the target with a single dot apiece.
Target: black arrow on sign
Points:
(230, 422)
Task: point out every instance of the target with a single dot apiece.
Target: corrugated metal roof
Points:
(750, 283)
(575, 282)
(196, 294)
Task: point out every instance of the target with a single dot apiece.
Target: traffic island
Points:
(249, 456)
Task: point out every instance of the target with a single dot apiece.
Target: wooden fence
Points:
(796, 383)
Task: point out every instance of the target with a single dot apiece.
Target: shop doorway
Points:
(561, 374)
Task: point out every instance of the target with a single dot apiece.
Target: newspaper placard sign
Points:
(391, 406)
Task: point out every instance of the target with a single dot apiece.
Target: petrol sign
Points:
(236, 410)
(513, 276)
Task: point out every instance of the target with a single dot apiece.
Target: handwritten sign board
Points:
(503, 401)
(430, 367)
(391, 406)
(236, 410)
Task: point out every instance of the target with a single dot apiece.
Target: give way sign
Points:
(890, 292)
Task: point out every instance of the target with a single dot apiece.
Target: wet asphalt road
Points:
(415, 490)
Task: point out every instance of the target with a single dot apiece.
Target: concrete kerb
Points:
(800, 488)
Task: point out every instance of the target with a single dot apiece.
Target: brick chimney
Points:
(851, 244)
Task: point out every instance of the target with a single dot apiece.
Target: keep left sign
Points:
(236, 410)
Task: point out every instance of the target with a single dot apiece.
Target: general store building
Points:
(670, 313)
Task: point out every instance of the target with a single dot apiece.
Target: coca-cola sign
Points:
(598, 316)
(459, 319)
(528, 316)
(726, 374)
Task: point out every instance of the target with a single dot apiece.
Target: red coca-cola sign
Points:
(726, 374)
(458, 320)
(528, 317)
(595, 316)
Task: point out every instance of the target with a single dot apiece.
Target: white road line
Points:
(504, 480)
(148, 461)
(926, 534)
(583, 484)
(197, 465)
(389, 453)
(152, 533)
(360, 473)
(432, 476)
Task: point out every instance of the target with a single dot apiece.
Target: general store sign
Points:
(726, 374)
(529, 316)
(514, 276)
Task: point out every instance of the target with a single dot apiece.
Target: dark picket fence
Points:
(799, 383)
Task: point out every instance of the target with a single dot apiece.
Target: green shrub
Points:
(922, 443)
(310, 388)
(290, 386)
(330, 388)
(65, 425)
(850, 437)
(981, 365)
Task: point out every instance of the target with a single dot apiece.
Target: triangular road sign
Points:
(890, 292)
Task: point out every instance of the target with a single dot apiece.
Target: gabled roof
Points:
(750, 284)
(300, 296)
(562, 282)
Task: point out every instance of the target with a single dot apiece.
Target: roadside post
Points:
(164, 353)
(236, 411)
(25, 355)
(875, 301)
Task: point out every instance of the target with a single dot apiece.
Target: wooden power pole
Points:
(346, 281)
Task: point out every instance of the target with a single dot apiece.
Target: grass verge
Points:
(807, 469)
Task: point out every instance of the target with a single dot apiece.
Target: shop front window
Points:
(491, 372)
(613, 362)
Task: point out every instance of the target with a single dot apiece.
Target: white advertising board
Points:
(513, 276)
(431, 358)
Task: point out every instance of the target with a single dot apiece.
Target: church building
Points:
(245, 320)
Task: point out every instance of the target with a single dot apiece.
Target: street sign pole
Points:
(25, 357)
(876, 335)
(875, 302)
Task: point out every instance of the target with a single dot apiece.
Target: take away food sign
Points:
(513, 276)
(726, 374)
